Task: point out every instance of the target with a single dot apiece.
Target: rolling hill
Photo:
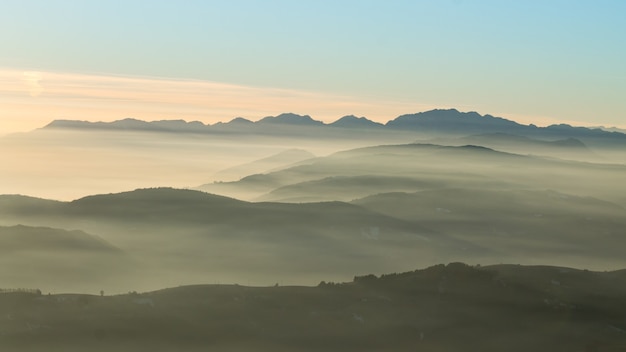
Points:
(528, 225)
(424, 166)
(568, 148)
(440, 308)
(267, 164)
(186, 235)
(381, 208)
(183, 236)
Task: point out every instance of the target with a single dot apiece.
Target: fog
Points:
(301, 208)
(70, 164)
(309, 236)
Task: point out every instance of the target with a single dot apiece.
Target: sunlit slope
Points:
(442, 308)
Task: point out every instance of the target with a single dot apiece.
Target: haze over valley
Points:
(130, 208)
(289, 199)
(358, 175)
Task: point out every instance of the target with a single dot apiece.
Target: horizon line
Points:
(33, 98)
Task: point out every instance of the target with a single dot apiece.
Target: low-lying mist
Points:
(295, 210)
(70, 164)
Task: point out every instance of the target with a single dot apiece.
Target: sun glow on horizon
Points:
(32, 99)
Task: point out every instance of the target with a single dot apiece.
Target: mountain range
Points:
(444, 121)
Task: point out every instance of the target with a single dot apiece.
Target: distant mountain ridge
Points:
(451, 119)
(351, 121)
(443, 121)
(291, 119)
(131, 124)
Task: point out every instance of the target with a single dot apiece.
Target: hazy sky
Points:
(533, 61)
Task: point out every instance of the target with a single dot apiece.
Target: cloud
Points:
(32, 80)
(108, 98)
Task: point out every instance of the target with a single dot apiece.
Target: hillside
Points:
(182, 236)
(423, 166)
(528, 225)
(440, 308)
(568, 148)
(282, 159)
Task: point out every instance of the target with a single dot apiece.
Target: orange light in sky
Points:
(33, 99)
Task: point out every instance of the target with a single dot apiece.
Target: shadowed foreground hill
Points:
(441, 308)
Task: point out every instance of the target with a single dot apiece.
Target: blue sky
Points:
(538, 61)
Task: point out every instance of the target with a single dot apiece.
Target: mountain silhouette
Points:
(453, 121)
(351, 121)
(130, 124)
(291, 119)
(444, 122)
(240, 120)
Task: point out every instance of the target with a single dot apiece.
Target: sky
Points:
(539, 62)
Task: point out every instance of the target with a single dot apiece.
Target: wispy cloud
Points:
(32, 82)
(32, 99)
